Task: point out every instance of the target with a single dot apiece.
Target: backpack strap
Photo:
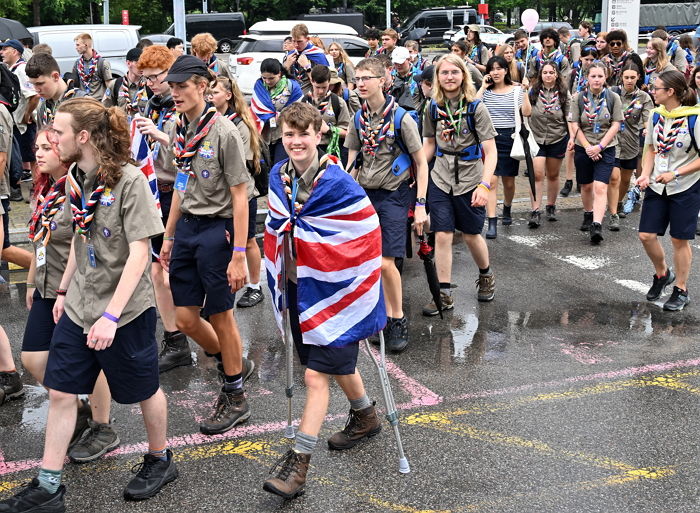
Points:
(398, 119)
(237, 120)
(335, 103)
(692, 119)
(471, 119)
(346, 94)
(356, 121)
(116, 87)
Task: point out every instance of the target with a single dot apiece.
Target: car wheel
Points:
(225, 46)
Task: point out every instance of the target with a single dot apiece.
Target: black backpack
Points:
(262, 179)
(10, 91)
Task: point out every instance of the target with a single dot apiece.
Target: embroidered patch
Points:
(53, 226)
(107, 197)
(106, 232)
(206, 151)
(679, 144)
(206, 174)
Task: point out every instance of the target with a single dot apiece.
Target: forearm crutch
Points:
(288, 341)
(391, 413)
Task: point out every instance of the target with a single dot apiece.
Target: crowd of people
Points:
(354, 159)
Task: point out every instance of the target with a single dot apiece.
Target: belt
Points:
(165, 187)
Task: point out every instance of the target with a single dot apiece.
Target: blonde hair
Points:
(467, 87)
(299, 30)
(84, 37)
(344, 57)
(513, 64)
(317, 41)
(661, 56)
(203, 44)
(412, 45)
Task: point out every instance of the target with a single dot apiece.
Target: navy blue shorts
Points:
(252, 214)
(6, 223)
(166, 199)
(40, 325)
(449, 212)
(130, 363)
(629, 164)
(392, 209)
(26, 142)
(506, 166)
(328, 360)
(680, 211)
(588, 171)
(555, 150)
(198, 263)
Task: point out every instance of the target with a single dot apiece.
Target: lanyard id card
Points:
(181, 181)
(662, 164)
(41, 256)
(596, 128)
(273, 122)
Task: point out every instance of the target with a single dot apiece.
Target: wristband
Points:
(31, 285)
(61, 292)
(110, 317)
(486, 185)
(168, 238)
(238, 249)
(602, 148)
(420, 204)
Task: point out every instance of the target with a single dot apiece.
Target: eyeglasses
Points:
(359, 80)
(450, 72)
(652, 89)
(615, 43)
(153, 78)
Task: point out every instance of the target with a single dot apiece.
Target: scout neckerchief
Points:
(633, 103)
(372, 137)
(451, 121)
(50, 106)
(616, 64)
(291, 185)
(86, 75)
(40, 227)
(340, 68)
(132, 102)
(159, 109)
(186, 150)
(83, 211)
(323, 104)
(648, 70)
(541, 57)
(678, 114)
(418, 65)
(17, 64)
(548, 104)
(581, 81)
(231, 114)
(590, 109)
(315, 56)
(213, 64)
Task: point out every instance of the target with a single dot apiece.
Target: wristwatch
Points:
(421, 201)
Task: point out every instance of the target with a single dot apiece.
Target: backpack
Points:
(692, 119)
(262, 179)
(10, 91)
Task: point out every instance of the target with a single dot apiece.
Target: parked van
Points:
(437, 21)
(284, 27)
(226, 27)
(112, 42)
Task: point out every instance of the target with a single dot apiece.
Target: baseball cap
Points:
(400, 54)
(335, 79)
(426, 75)
(184, 67)
(474, 28)
(14, 44)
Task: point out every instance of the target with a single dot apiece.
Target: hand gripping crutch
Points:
(391, 414)
(288, 341)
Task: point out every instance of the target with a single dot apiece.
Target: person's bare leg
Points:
(539, 164)
(553, 167)
(101, 400)
(155, 417)
(226, 329)
(654, 251)
(164, 297)
(443, 256)
(391, 280)
(614, 190)
(59, 429)
(600, 200)
(7, 363)
(191, 324)
(682, 259)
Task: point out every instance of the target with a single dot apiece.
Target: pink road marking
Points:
(583, 355)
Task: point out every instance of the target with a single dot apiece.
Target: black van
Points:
(437, 21)
(226, 27)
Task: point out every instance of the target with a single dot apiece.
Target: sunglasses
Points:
(615, 43)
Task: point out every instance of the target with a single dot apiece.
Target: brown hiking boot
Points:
(486, 284)
(361, 424)
(231, 408)
(291, 478)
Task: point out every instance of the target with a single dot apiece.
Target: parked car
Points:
(226, 27)
(246, 58)
(437, 21)
(351, 18)
(111, 41)
(284, 27)
(490, 36)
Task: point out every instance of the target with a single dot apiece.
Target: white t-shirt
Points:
(27, 92)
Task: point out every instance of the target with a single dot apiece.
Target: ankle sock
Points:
(50, 480)
(161, 454)
(232, 383)
(361, 403)
(254, 286)
(485, 271)
(304, 443)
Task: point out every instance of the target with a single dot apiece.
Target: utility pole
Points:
(179, 19)
(105, 12)
(205, 7)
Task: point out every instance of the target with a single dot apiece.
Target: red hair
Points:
(42, 181)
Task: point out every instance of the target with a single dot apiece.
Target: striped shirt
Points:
(500, 107)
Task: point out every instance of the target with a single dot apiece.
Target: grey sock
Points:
(361, 403)
(304, 443)
(50, 480)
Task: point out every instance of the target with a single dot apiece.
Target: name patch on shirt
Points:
(206, 151)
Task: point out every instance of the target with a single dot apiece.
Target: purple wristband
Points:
(110, 317)
(238, 249)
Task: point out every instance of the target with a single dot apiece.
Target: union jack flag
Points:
(338, 246)
(141, 153)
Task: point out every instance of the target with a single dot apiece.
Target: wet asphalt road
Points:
(568, 393)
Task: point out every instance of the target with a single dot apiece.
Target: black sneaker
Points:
(231, 408)
(16, 194)
(507, 218)
(175, 352)
(251, 297)
(35, 499)
(596, 233)
(11, 384)
(679, 298)
(660, 284)
(151, 475)
(397, 341)
(551, 211)
(566, 190)
(587, 221)
(534, 221)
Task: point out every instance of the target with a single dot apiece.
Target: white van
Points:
(284, 27)
(112, 42)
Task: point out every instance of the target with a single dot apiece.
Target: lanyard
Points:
(457, 125)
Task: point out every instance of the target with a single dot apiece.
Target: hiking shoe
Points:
(486, 283)
(587, 221)
(247, 368)
(551, 211)
(16, 194)
(507, 218)
(614, 223)
(175, 352)
(33, 498)
(291, 478)
(397, 336)
(95, 443)
(566, 190)
(660, 284)
(11, 384)
(250, 297)
(430, 310)
(620, 210)
(596, 233)
(231, 408)
(361, 425)
(81, 422)
(679, 298)
(151, 475)
(535, 218)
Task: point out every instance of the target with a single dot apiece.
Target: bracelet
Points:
(238, 249)
(420, 204)
(676, 174)
(487, 189)
(110, 317)
(61, 292)
(31, 285)
(168, 238)
(602, 148)
(486, 185)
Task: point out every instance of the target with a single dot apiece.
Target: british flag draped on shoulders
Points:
(337, 244)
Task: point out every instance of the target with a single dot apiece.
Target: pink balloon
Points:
(529, 18)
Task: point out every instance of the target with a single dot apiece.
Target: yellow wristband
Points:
(484, 187)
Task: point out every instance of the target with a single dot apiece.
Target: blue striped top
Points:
(500, 107)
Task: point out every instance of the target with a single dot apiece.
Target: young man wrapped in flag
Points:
(304, 56)
(322, 235)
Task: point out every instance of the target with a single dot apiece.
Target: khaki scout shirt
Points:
(654, 74)
(48, 276)
(678, 156)
(470, 172)
(611, 111)
(375, 172)
(126, 213)
(272, 134)
(549, 127)
(628, 137)
(5, 147)
(219, 164)
(340, 119)
(245, 137)
(135, 88)
(98, 82)
(166, 171)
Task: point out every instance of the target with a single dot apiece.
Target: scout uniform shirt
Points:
(218, 165)
(677, 138)
(125, 213)
(5, 147)
(608, 107)
(651, 71)
(636, 107)
(244, 131)
(469, 172)
(46, 110)
(272, 131)
(98, 80)
(375, 172)
(338, 119)
(166, 171)
(132, 99)
(548, 119)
